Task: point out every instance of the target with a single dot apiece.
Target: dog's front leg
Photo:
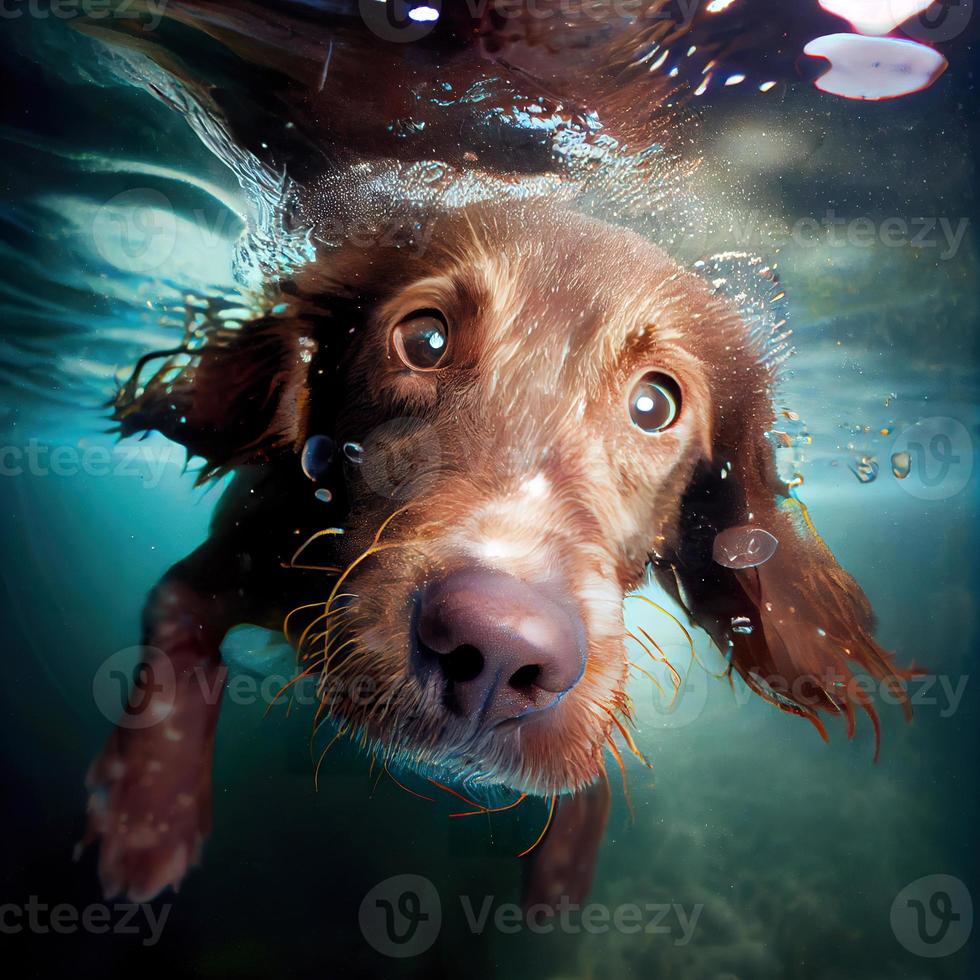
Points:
(561, 868)
(150, 789)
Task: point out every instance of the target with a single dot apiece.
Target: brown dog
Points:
(558, 405)
(515, 420)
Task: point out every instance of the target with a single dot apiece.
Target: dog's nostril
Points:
(525, 677)
(463, 664)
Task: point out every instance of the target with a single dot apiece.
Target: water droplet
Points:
(741, 624)
(743, 547)
(324, 495)
(901, 465)
(865, 469)
(354, 451)
(317, 455)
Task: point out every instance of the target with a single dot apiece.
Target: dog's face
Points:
(543, 403)
(531, 402)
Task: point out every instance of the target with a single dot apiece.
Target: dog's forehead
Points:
(584, 294)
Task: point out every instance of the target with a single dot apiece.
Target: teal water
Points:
(790, 853)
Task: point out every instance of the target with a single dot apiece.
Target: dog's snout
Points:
(504, 647)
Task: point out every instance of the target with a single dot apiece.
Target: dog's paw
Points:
(149, 818)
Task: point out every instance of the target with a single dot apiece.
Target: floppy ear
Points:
(234, 394)
(796, 627)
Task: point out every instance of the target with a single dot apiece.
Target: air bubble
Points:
(741, 624)
(865, 469)
(323, 495)
(743, 547)
(317, 456)
(901, 465)
(354, 452)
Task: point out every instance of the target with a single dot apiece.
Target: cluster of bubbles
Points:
(317, 458)
(866, 468)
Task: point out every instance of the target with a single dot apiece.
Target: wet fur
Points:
(551, 315)
(520, 455)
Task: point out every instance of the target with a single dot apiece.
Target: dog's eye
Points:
(420, 340)
(655, 402)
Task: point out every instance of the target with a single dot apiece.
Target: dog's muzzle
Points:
(504, 648)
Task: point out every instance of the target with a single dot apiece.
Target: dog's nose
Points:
(505, 648)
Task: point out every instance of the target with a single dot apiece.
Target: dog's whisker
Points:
(496, 809)
(286, 687)
(378, 778)
(331, 569)
(670, 616)
(331, 634)
(675, 676)
(459, 796)
(660, 660)
(293, 612)
(402, 786)
(544, 830)
(326, 614)
(316, 731)
(631, 744)
(367, 553)
(316, 772)
(648, 675)
(328, 656)
(373, 548)
(380, 715)
(325, 532)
